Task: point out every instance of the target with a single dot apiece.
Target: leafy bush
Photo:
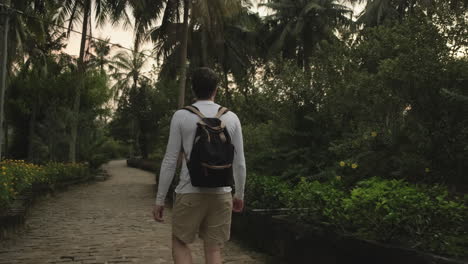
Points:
(100, 149)
(265, 192)
(18, 176)
(57, 172)
(317, 202)
(390, 211)
(262, 138)
(419, 216)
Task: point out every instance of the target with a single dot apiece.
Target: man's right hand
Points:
(237, 205)
(158, 213)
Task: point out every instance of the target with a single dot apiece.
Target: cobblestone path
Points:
(103, 222)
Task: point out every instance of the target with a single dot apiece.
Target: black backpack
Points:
(210, 163)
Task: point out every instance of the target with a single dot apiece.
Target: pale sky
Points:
(117, 34)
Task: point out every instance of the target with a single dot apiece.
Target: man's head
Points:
(204, 83)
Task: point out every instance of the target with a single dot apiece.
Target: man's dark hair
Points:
(204, 82)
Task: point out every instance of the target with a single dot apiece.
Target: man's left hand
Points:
(237, 205)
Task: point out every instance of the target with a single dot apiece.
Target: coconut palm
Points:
(128, 71)
(210, 18)
(102, 49)
(32, 42)
(41, 55)
(172, 36)
(377, 11)
(13, 27)
(298, 26)
(234, 50)
(74, 11)
(129, 82)
(145, 13)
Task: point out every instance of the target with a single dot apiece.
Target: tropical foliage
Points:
(357, 118)
(391, 211)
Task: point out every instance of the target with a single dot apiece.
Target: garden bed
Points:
(294, 242)
(14, 217)
(25, 182)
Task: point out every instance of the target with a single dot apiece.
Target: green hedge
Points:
(423, 217)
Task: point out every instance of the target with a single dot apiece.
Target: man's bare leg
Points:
(213, 254)
(181, 252)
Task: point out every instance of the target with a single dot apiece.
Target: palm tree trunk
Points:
(307, 67)
(6, 154)
(300, 58)
(81, 83)
(5, 20)
(183, 67)
(101, 65)
(136, 137)
(137, 42)
(143, 138)
(32, 125)
(307, 52)
(204, 48)
(183, 54)
(132, 136)
(136, 49)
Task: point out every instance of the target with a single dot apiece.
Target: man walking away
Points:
(204, 202)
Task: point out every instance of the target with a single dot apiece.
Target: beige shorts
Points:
(205, 214)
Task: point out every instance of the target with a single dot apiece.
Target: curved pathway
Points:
(103, 222)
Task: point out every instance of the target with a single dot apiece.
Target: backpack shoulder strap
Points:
(222, 110)
(194, 110)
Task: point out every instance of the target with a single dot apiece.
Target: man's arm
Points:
(239, 168)
(169, 162)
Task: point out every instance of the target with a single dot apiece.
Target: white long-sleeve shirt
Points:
(182, 133)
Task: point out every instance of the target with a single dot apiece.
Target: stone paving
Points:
(103, 222)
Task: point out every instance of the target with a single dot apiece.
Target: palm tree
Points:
(183, 53)
(128, 71)
(210, 18)
(32, 43)
(234, 51)
(298, 26)
(102, 49)
(172, 36)
(12, 24)
(73, 11)
(377, 11)
(40, 47)
(129, 80)
(145, 13)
